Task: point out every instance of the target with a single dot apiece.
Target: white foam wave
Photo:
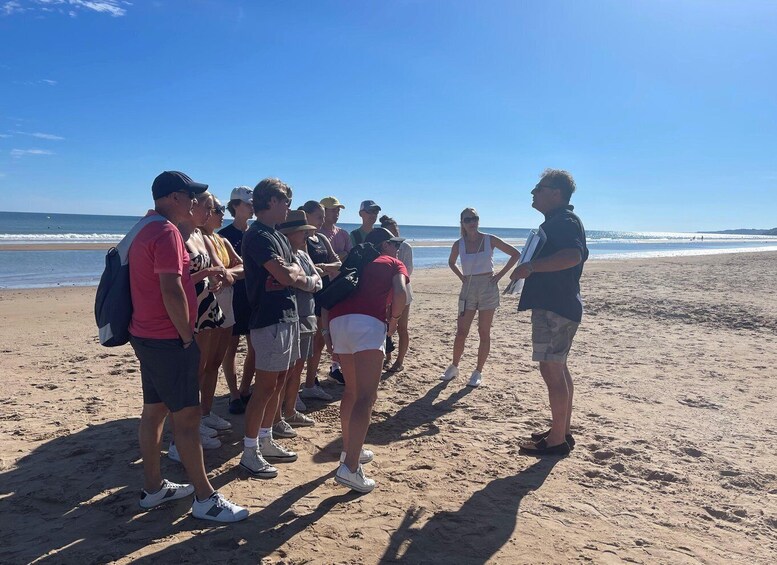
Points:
(59, 237)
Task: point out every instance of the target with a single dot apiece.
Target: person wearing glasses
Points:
(552, 293)
(356, 330)
(479, 289)
(368, 212)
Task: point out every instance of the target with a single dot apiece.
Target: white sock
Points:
(250, 442)
(265, 432)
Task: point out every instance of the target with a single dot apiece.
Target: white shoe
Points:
(210, 442)
(299, 406)
(216, 422)
(282, 429)
(169, 491)
(475, 379)
(299, 420)
(366, 456)
(450, 373)
(253, 462)
(172, 453)
(275, 453)
(315, 392)
(218, 509)
(206, 431)
(355, 481)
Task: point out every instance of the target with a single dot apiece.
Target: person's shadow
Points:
(475, 532)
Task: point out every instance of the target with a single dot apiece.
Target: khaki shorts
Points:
(551, 336)
(479, 293)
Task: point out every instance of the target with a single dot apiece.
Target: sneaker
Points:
(169, 491)
(172, 453)
(475, 379)
(450, 373)
(315, 392)
(218, 509)
(271, 451)
(216, 422)
(206, 431)
(282, 429)
(253, 462)
(236, 406)
(355, 481)
(299, 406)
(210, 442)
(365, 456)
(299, 420)
(337, 375)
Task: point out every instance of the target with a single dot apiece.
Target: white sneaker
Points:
(475, 379)
(169, 491)
(218, 509)
(315, 392)
(172, 453)
(365, 456)
(210, 442)
(450, 373)
(216, 422)
(275, 453)
(299, 406)
(207, 431)
(283, 429)
(299, 420)
(253, 462)
(355, 481)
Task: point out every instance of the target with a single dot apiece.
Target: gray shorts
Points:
(551, 336)
(478, 293)
(276, 346)
(306, 345)
(168, 372)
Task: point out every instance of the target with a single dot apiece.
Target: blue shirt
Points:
(558, 291)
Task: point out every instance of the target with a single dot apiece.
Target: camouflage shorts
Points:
(551, 336)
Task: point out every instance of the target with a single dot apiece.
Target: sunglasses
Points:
(395, 243)
(470, 219)
(219, 210)
(190, 194)
(541, 186)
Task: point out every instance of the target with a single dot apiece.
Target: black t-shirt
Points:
(233, 236)
(271, 302)
(559, 291)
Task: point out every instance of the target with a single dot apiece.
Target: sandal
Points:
(395, 368)
(542, 449)
(537, 436)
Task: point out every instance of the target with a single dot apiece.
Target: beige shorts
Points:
(551, 336)
(479, 293)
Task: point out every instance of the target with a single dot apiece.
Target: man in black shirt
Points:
(552, 293)
(271, 269)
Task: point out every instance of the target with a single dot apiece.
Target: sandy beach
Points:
(675, 427)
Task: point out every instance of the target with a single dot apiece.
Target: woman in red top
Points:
(356, 329)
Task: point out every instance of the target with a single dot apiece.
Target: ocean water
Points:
(431, 245)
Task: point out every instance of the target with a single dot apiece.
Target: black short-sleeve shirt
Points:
(233, 236)
(271, 302)
(559, 291)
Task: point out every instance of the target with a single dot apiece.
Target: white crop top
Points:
(480, 263)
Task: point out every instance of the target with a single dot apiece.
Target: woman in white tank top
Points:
(479, 289)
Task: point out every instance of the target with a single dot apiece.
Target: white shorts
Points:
(357, 332)
(224, 298)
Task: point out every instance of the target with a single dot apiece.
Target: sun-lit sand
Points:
(675, 424)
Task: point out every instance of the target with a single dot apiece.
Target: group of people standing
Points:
(196, 290)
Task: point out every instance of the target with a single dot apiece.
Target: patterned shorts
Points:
(551, 336)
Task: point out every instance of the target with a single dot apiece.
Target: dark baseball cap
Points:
(379, 235)
(168, 182)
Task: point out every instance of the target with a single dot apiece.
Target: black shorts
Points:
(168, 372)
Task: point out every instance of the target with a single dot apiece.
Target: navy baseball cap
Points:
(379, 235)
(168, 182)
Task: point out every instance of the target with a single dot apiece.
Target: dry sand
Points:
(675, 423)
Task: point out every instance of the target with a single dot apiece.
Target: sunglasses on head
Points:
(470, 219)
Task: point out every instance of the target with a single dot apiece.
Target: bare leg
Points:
(558, 394)
(229, 367)
(404, 337)
(571, 391)
(262, 403)
(464, 322)
(187, 440)
(365, 388)
(248, 368)
(152, 421)
(349, 395)
(219, 340)
(315, 361)
(273, 412)
(485, 319)
(292, 387)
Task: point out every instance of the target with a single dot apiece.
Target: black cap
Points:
(173, 181)
(379, 235)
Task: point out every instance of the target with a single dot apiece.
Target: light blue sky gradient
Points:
(664, 111)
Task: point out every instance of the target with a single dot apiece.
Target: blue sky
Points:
(664, 111)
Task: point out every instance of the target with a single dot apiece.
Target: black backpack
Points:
(113, 301)
(348, 280)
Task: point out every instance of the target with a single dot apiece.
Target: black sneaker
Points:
(337, 375)
(236, 406)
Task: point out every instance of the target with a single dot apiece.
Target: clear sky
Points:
(664, 111)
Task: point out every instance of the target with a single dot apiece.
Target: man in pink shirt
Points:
(340, 239)
(162, 335)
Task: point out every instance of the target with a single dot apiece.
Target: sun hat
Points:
(296, 220)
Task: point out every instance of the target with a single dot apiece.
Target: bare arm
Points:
(333, 265)
(398, 302)
(561, 260)
(285, 274)
(235, 261)
(174, 298)
(509, 250)
(452, 261)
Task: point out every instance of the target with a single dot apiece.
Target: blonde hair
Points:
(461, 218)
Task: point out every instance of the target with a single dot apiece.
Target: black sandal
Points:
(537, 436)
(542, 449)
